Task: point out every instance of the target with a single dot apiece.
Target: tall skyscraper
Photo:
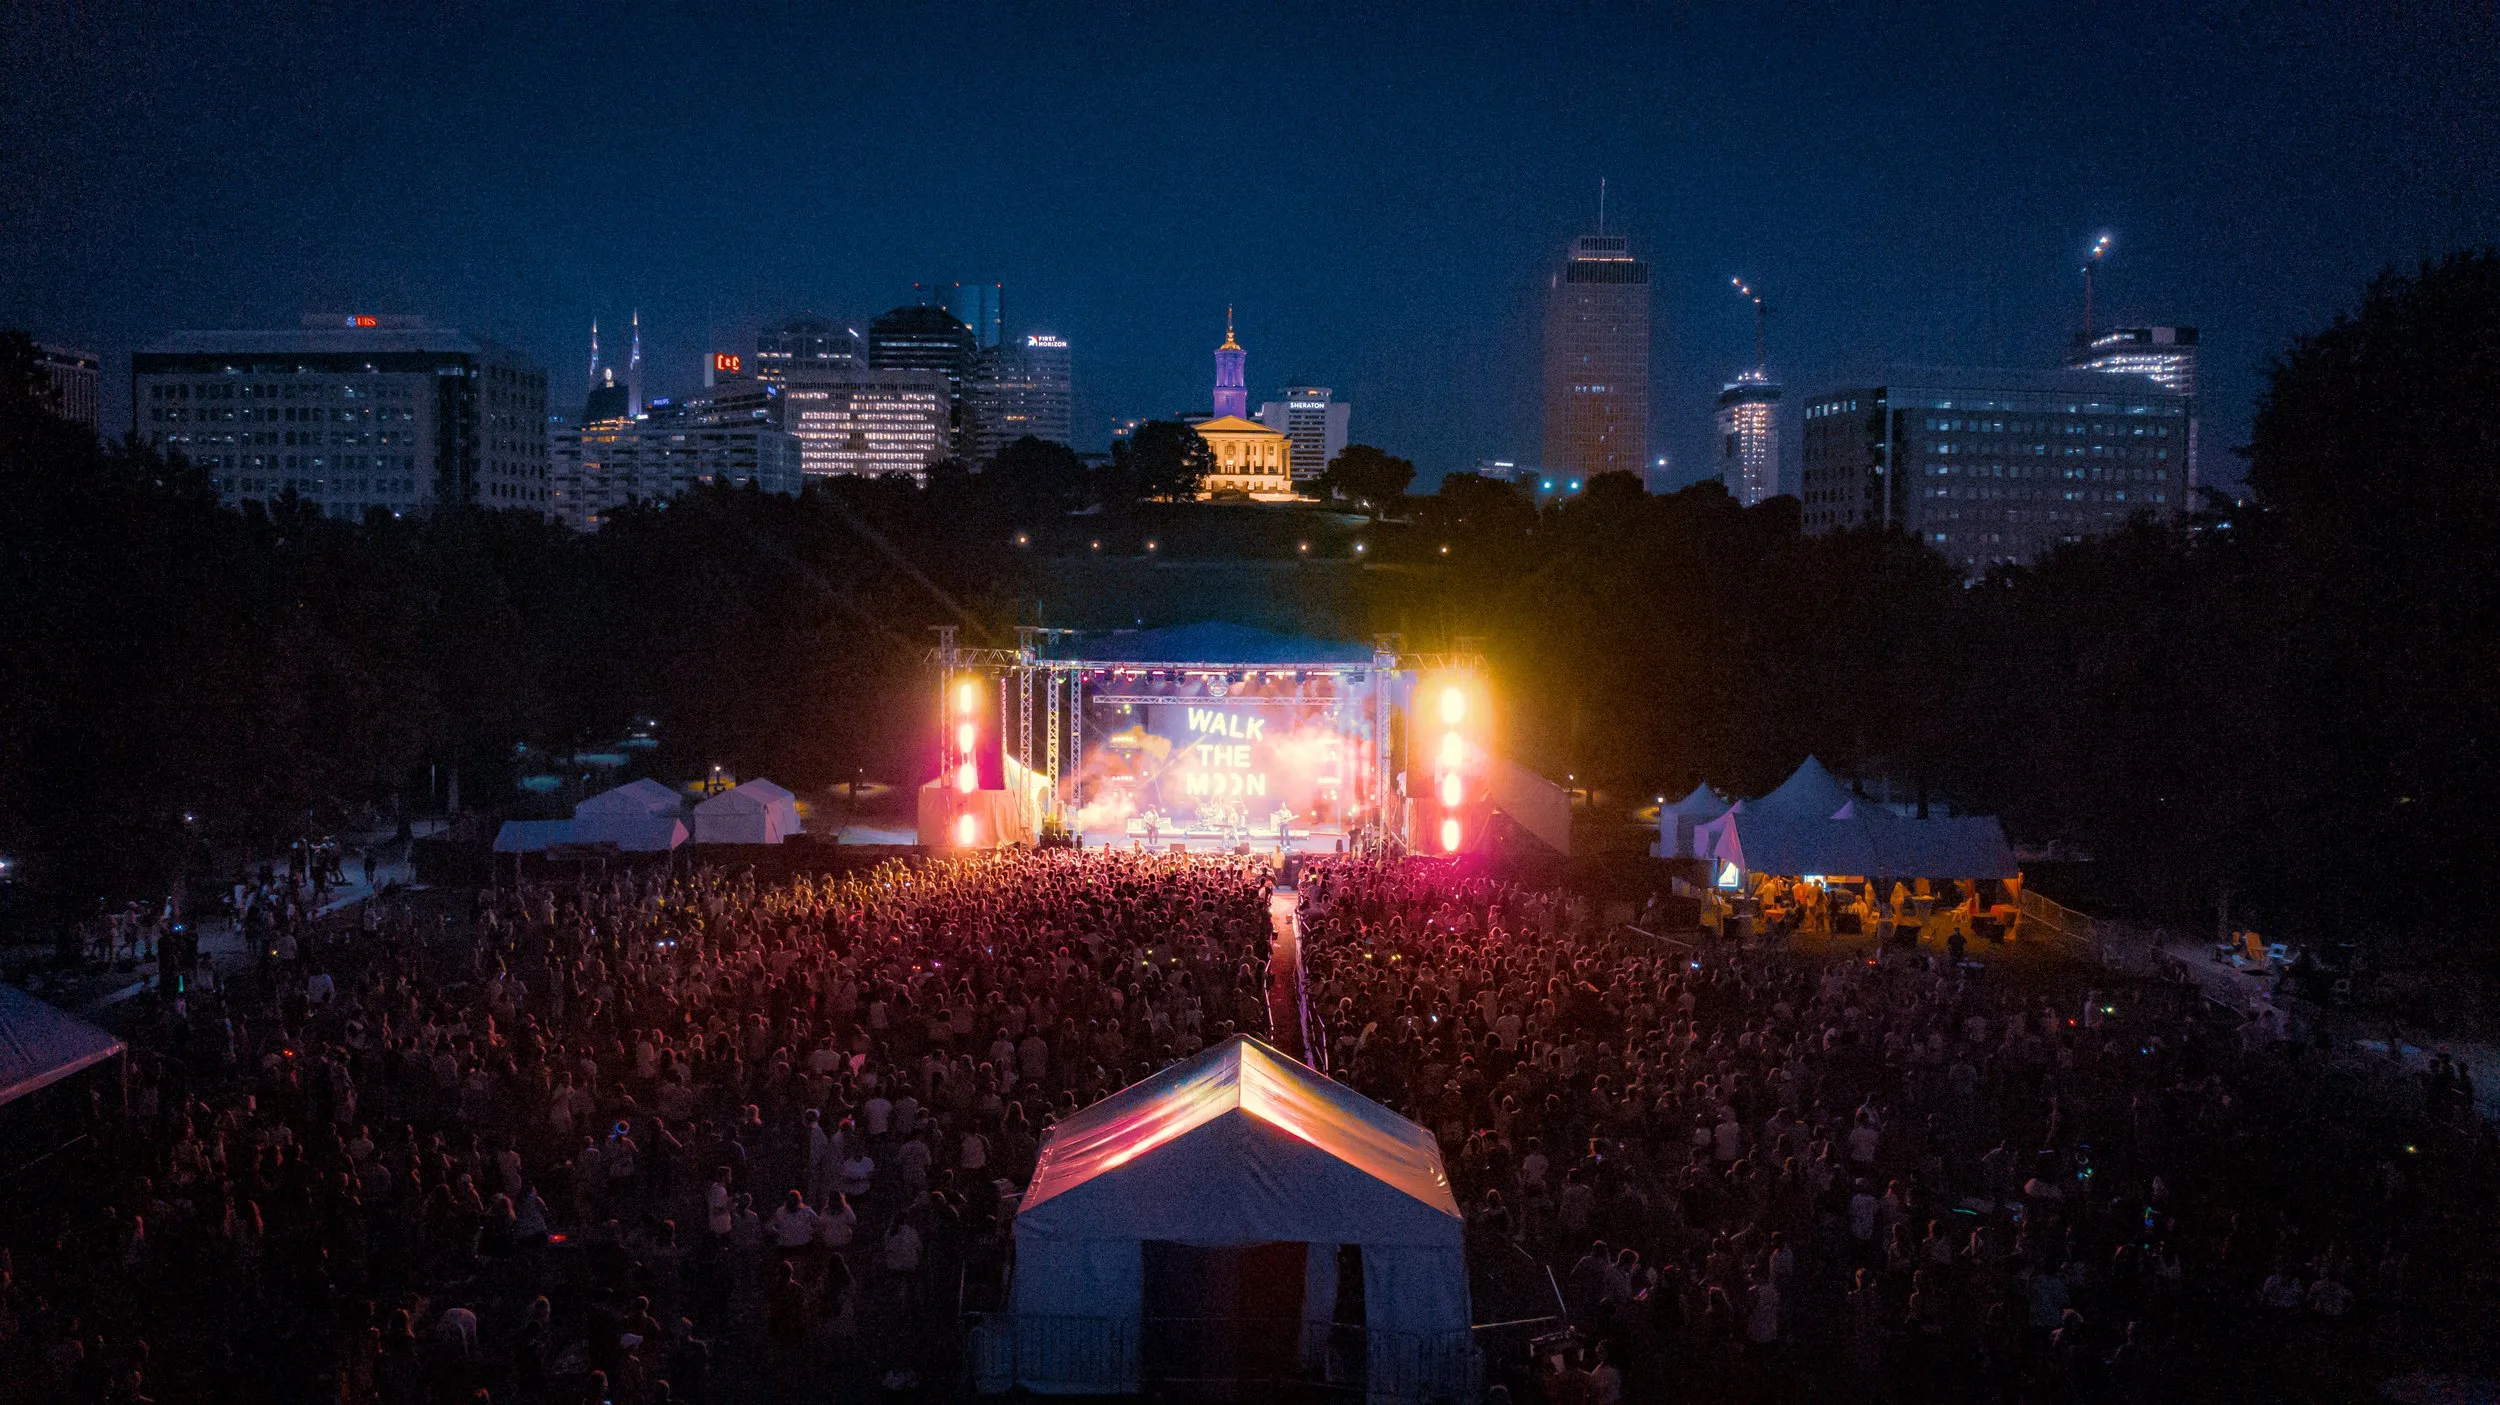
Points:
(1232, 393)
(1748, 420)
(805, 343)
(1994, 466)
(1749, 437)
(77, 380)
(1597, 360)
(980, 306)
(925, 338)
(1024, 388)
(351, 413)
(2167, 354)
(1316, 424)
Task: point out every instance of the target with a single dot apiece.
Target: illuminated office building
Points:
(1749, 437)
(1992, 467)
(802, 345)
(2165, 354)
(871, 422)
(601, 467)
(1597, 360)
(351, 413)
(1021, 389)
(1316, 423)
(76, 382)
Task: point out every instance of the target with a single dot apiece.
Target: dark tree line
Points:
(2297, 697)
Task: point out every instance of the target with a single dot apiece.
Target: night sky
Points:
(1380, 190)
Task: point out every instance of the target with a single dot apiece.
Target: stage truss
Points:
(1042, 701)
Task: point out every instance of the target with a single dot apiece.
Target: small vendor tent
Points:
(1243, 1163)
(757, 812)
(1677, 819)
(41, 1045)
(640, 817)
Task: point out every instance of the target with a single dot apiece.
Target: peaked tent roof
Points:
(532, 836)
(1215, 642)
(1703, 804)
(1812, 790)
(642, 797)
(41, 1045)
(1240, 1143)
(781, 802)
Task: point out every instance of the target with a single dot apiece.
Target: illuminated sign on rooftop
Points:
(1047, 341)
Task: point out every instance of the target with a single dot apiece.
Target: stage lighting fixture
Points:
(967, 778)
(1453, 706)
(1453, 750)
(966, 831)
(966, 736)
(1453, 791)
(966, 696)
(1449, 836)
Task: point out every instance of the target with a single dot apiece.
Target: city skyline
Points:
(1403, 266)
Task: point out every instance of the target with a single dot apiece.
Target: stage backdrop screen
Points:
(1213, 764)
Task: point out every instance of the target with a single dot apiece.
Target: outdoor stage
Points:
(1205, 738)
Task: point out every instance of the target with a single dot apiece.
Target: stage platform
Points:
(1321, 842)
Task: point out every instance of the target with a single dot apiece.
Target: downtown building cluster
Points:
(1986, 465)
(354, 413)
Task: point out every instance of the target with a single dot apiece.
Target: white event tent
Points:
(1240, 1147)
(639, 818)
(1677, 820)
(1812, 825)
(755, 812)
(41, 1045)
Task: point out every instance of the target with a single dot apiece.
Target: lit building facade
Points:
(2165, 354)
(351, 413)
(1249, 458)
(1749, 437)
(77, 383)
(1597, 360)
(1993, 467)
(805, 345)
(1024, 388)
(871, 422)
(602, 467)
(925, 338)
(1315, 422)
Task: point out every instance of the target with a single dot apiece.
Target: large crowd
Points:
(660, 1137)
(1838, 1170)
(672, 1135)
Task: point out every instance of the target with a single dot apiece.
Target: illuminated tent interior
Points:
(1230, 1186)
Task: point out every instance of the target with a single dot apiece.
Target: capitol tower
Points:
(1232, 394)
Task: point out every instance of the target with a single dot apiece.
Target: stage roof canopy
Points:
(1214, 642)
